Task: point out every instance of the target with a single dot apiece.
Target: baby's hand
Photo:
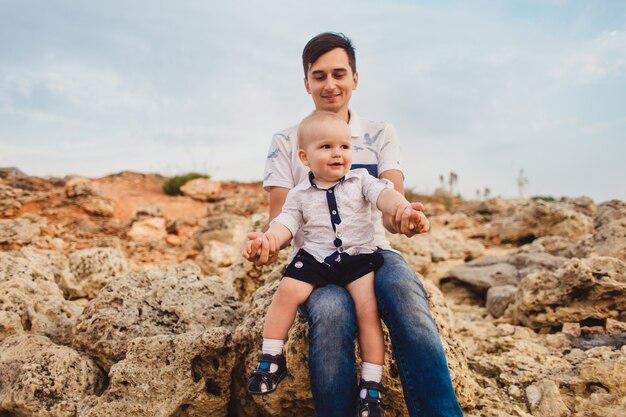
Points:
(411, 221)
(261, 248)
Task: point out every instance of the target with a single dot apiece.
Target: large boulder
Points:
(91, 269)
(84, 193)
(293, 397)
(202, 189)
(41, 379)
(169, 375)
(592, 288)
(166, 301)
(528, 220)
(492, 270)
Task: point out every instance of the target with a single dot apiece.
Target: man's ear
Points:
(355, 79)
(306, 85)
(303, 158)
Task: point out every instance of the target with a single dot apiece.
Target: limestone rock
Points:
(202, 189)
(609, 237)
(13, 266)
(293, 397)
(169, 375)
(18, 231)
(166, 301)
(437, 246)
(499, 298)
(148, 211)
(225, 228)
(92, 269)
(147, 229)
(216, 256)
(10, 203)
(40, 307)
(544, 400)
(532, 219)
(83, 192)
(491, 270)
(41, 379)
(581, 289)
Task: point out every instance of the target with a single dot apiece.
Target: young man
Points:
(330, 77)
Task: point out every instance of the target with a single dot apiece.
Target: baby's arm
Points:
(264, 245)
(392, 203)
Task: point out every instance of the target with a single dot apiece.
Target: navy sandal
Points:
(262, 375)
(372, 404)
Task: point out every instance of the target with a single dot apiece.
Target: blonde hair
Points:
(305, 130)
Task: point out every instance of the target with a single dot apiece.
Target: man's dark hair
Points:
(325, 42)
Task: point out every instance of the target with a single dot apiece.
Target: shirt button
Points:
(339, 234)
(334, 211)
(330, 191)
(340, 249)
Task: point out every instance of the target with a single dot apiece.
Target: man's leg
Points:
(403, 306)
(332, 365)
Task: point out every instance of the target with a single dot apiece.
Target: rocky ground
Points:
(116, 299)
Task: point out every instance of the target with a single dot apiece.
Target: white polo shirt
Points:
(375, 147)
(342, 216)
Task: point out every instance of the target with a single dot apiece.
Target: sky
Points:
(480, 88)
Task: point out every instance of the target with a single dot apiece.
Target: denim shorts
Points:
(304, 267)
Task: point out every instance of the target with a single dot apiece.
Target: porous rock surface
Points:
(91, 269)
(42, 379)
(165, 301)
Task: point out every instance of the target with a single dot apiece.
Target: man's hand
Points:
(409, 220)
(261, 248)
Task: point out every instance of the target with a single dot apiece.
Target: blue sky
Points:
(481, 88)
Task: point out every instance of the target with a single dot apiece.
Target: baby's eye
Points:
(345, 146)
(325, 146)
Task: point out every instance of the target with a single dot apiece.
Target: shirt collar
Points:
(355, 125)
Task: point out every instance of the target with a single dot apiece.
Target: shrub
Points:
(171, 185)
(543, 198)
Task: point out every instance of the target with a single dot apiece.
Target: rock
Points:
(581, 289)
(529, 220)
(40, 307)
(499, 298)
(169, 375)
(148, 211)
(571, 329)
(41, 379)
(609, 237)
(215, 257)
(10, 203)
(18, 232)
(544, 400)
(83, 192)
(166, 301)
(490, 271)
(11, 172)
(438, 246)
(92, 269)
(225, 228)
(293, 397)
(147, 229)
(13, 266)
(202, 189)
(53, 264)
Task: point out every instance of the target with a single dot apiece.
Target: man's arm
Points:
(403, 225)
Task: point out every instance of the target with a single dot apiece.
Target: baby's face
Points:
(328, 151)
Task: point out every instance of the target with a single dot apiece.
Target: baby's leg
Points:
(371, 339)
(282, 311)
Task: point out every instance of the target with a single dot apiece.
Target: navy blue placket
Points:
(334, 219)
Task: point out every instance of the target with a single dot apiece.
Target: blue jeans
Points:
(403, 306)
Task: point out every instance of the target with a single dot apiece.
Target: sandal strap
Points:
(372, 385)
(266, 357)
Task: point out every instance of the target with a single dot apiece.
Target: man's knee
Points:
(331, 309)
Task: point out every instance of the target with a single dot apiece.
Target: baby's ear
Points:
(303, 158)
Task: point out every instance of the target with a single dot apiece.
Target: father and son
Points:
(335, 182)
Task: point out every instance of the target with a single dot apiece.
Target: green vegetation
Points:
(171, 185)
(542, 198)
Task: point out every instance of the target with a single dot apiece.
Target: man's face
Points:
(330, 82)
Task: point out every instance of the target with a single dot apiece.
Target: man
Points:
(330, 77)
